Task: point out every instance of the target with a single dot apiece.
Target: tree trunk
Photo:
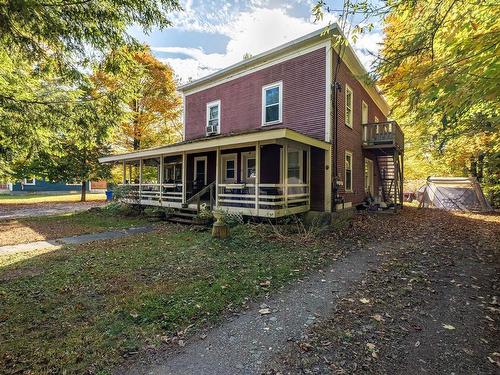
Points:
(83, 197)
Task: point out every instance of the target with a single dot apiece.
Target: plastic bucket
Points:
(109, 195)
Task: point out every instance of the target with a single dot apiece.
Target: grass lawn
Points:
(51, 227)
(47, 198)
(85, 308)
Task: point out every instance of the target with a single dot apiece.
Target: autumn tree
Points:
(153, 104)
(45, 49)
(439, 69)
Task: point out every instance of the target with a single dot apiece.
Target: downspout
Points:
(337, 87)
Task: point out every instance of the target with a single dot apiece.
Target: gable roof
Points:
(233, 71)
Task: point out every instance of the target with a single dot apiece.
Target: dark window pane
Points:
(230, 164)
(214, 112)
(251, 168)
(272, 113)
(272, 96)
(230, 173)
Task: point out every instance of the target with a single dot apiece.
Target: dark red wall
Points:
(304, 87)
(351, 139)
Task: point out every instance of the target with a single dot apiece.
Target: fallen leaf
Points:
(264, 311)
(378, 318)
(448, 326)
(417, 344)
(370, 345)
(364, 300)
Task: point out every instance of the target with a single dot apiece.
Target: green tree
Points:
(45, 48)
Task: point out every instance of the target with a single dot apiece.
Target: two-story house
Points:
(273, 135)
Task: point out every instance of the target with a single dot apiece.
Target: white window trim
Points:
(280, 101)
(348, 89)
(225, 158)
(363, 106)
(29, 183)
(197, 158)
(209, 105)
(345, 171)
(301, 164)
(245, 156)
(376, 119)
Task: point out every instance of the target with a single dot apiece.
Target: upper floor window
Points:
(272, 103)
(364, 112)
(348, 106)
(213, 117)
(348, 171)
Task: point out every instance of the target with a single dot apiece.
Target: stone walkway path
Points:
(243, 344)
(17, 211)
(74, 240)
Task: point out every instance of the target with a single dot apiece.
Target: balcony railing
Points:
(383, 135)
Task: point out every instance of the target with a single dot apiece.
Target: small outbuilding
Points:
(453, 194)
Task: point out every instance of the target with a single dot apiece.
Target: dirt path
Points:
(246, 342)
(431, 308)
(16, 211)
(418, 293)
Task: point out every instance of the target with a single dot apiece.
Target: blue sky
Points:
(210, 35)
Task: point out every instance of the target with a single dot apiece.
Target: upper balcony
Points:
(383, 135)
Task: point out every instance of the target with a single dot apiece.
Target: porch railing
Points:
(155, 192)
(270, 196)
(383, 134)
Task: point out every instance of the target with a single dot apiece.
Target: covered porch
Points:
(266, 173)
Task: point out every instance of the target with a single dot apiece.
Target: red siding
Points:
(351, 139)
(304, 81)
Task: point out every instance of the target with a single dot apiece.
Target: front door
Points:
(369, 176)
(200, 172)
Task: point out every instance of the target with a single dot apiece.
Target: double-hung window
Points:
(294, 170)
(272, 103)
(348, 106)
(248, 166)
(213, 117)
(229, 167)
(348, 171)
(29, 181)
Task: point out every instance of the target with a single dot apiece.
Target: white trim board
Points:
(219, 141)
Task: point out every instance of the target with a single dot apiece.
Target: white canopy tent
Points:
(453, 194)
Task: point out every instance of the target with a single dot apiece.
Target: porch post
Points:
(140, 179)
(161, 177)
(184, 177)
(257, 176)
(124, 177)
(308, 153)
(285, 173)
(217, 176)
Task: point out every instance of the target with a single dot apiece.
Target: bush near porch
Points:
(86, 308)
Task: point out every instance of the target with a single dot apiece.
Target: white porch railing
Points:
(155, 193)
(270, 197)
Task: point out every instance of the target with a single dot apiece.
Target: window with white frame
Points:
(272, 103)
(348, 106)
(294, 168)
(348, 171)
(29, 181)
(248, 166)
(229, 167)
(364, 112)
(377, 128)
(213, 117)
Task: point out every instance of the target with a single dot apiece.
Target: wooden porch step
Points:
(181, 220)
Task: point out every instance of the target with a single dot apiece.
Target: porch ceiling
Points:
(208, 143)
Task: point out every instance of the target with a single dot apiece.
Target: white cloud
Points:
(253, 31)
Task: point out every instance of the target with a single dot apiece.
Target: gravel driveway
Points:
(16, 211)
